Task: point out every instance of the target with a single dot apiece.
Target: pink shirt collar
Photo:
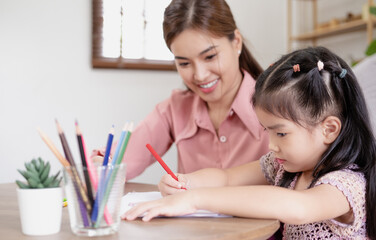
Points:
(241, 106)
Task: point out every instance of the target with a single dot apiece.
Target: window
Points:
(129, 34)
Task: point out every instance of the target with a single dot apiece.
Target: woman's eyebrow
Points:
(201, 53)
(207, 50)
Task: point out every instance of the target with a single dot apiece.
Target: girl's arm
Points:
(289, 206)
(247, 174)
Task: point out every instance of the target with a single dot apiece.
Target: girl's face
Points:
(209, 66)
(299, 149)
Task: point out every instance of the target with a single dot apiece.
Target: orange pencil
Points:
(52, 147)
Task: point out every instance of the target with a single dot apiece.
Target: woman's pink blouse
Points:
(183, 119)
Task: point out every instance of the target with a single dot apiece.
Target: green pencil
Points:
(112, 178)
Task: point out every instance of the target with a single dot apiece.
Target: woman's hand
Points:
(168, 185)
(172, 205)
(97, 156)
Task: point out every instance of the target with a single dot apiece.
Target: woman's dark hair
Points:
(211, 16)
(309, 96)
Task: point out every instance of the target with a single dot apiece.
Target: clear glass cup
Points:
(99, 215)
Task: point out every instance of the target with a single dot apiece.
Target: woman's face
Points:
(209, 66)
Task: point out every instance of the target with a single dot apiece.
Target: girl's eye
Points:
(265, 129)
(211, 56)
(281, 134)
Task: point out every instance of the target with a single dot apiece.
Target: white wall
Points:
(45, 73)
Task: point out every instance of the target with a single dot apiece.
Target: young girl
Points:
(321, 161)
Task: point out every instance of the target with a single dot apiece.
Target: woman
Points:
(212, 123)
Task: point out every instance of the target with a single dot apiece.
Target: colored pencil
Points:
(93, 181)
(117, 152)
(125, 144)
(102, 179)
(66, 164)
(110, 169)
(163, 164)
(119, 144)
(113, 176)
(108, 146)
(84, 161)
(81, 194)
(52, 147)
(87, 163)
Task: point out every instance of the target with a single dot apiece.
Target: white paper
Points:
(133, 198)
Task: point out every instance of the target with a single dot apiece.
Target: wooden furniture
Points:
(160, 228)
(336, 29)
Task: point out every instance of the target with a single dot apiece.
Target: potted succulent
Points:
(39, 199)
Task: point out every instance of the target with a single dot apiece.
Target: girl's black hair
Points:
(307, 97)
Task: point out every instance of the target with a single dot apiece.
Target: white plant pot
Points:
(40, 210)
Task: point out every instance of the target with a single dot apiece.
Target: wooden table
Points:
(159, 228)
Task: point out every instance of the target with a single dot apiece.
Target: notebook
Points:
(133, 198)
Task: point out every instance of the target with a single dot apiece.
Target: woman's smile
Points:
(208, 87)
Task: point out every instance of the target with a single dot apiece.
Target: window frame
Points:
(98, 61)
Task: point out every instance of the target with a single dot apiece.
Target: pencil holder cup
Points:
(94, 197)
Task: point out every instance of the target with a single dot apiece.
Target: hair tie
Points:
(343, 73)
(320, 65)
(296, 68)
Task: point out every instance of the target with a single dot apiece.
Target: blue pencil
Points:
(118, 147)
(103, 175)
(112, 177)
(115, 157)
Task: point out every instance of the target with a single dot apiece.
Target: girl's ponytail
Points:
(308, 85)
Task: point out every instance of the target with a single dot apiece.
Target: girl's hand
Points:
(168, 185)
(172, 205)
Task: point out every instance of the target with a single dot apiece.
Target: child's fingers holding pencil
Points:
(168, 185)
(183, 180)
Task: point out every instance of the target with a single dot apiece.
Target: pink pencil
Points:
(93, 176)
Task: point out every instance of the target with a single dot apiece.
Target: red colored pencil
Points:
(163, 164)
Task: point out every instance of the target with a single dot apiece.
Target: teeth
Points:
(211, 84)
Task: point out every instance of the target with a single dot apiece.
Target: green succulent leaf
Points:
(37, 174)
(45, 172)
(25, 174)
(57, 174)
(55, 183)
(30, 167)
(36, 164)
(22, 185)
(41, 163)
(35, 177)
(48, 181)
(32, 182)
